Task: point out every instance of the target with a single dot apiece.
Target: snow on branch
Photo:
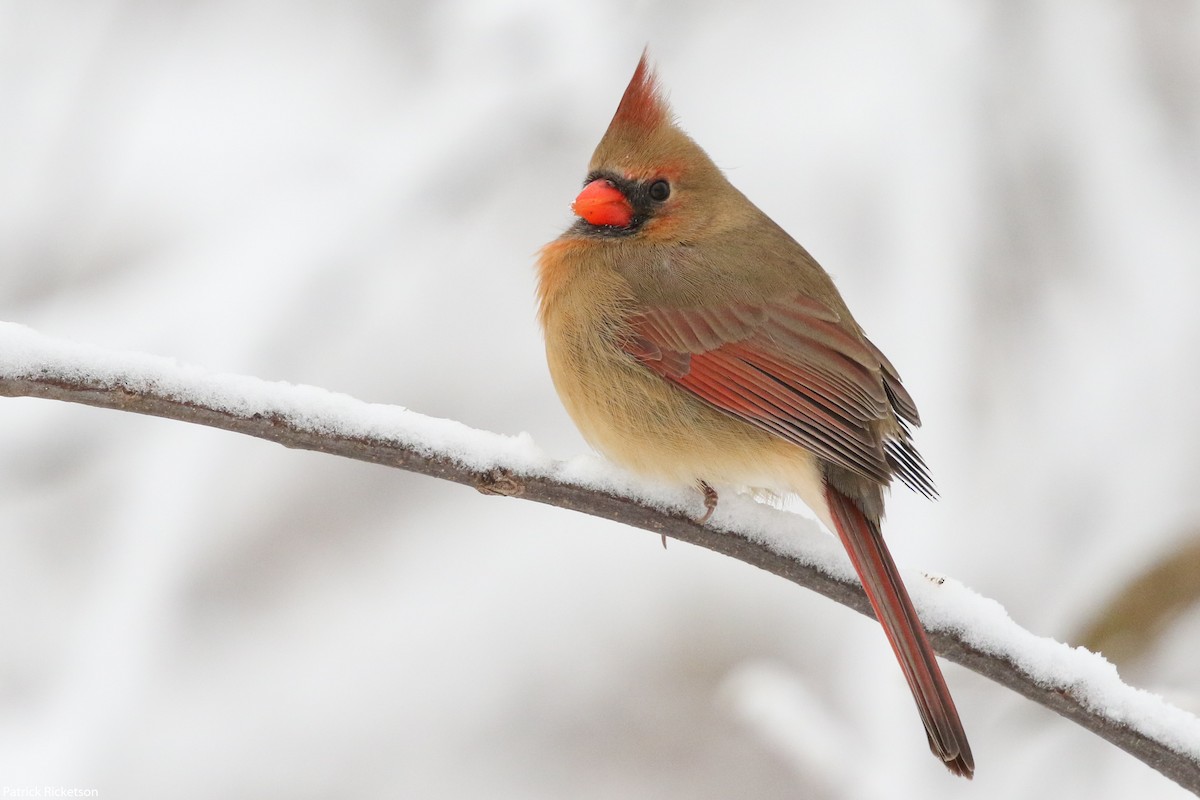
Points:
(964, 627)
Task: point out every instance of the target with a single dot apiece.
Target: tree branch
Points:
(33, 366)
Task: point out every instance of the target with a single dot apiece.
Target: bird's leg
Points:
(710, 502)
(710, 505)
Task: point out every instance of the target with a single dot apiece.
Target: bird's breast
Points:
(632, 415)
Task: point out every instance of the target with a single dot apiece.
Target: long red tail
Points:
(863, 540)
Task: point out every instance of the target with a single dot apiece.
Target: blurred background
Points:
(352, 194)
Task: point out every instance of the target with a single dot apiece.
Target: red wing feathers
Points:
(785, 409)
(791, 369)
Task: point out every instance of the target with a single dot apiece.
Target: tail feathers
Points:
(880, 578)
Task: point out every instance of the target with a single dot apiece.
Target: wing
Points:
(790, 368)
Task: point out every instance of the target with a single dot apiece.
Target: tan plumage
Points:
(692, 340)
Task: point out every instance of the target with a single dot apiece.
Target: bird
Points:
(694, 342)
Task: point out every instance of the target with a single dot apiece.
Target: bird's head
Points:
(647, 178)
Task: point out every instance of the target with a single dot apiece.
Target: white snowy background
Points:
(351, 195)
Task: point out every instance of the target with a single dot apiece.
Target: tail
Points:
(863, 540)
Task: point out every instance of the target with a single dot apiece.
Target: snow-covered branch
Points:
(965, 627)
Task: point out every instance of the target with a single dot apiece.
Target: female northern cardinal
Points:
(692, 340)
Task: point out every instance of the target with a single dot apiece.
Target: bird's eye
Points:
(659, 191)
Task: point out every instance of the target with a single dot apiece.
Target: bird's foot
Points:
(710, 505)
(710, 502)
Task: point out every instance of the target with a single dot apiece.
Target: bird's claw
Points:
(710, 503)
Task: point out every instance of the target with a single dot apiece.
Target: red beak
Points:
(601, 203)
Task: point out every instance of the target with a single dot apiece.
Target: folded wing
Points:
(791, 368)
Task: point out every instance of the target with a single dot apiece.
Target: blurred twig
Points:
(277, 427)
(1134, 619)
